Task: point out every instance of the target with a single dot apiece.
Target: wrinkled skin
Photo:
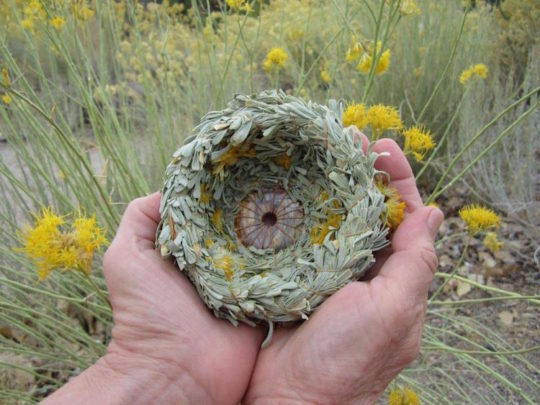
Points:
(167, 346)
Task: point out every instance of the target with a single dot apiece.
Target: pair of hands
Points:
(167, 347)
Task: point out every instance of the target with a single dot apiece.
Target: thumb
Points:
(140, 221)
(413, 261)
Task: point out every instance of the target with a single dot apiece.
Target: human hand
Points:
(166, 346)
(362, 336)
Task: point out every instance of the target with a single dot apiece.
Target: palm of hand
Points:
(161, 324)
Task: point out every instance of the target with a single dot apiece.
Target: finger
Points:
(140, 221)
(414, 261)
(401, 175)
(360, 136)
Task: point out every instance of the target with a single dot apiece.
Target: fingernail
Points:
(434, 221)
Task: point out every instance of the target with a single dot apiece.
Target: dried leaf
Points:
(506, 318)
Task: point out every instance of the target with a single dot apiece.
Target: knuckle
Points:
(134, 205)
(429, 258)
(412, 351)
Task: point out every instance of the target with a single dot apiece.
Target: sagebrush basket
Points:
(270, 207)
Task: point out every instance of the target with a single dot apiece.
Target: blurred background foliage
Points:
(96, 95)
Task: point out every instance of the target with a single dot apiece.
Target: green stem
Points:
(7, 281)
(228, 63)
(443, 74)
(483, 352)
(98, 290)
(319, 56)
(438, 190)
(456, 268)
(70, 145)
(440, 142)
(371, 73)
(484, 287)
(483, 300)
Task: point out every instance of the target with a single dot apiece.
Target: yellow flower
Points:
(206, 196)
(418, 142)
(5, 77)
(381, 118)
(27, 24)
(366, 61)
(384, 62)
(82, 13)
(355, 114)
(275, 59)
(295, 34)
(405, 396)
(208, 243)
(225, 263)
(332, 223)
(394, 207)
(217, 219)
(58, 23)
(479, 218)
(409, 7)
(364, 54)
(283, 160)
(237, 5)
(51, 247)
(354, 52)
(325, 76)
(6, 98)
(479, 70)
(319, 232)
(34, 9)
(492, 243)
(233, 155)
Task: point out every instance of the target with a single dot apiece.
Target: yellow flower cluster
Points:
(479, 218)
(492, 242)
(394, 207)
(6, 99)
(325, 76)
(50, 247)
(238, 5)
(275, 59)
(6, 81)
(81, 11)
(217, 219)
(382, 118)
(355, 114)
(32, 13)
(206, 195)
(364, 55)
(409, 7)
(403, 396)
(379, 117)
(332, 223)
(479, 70)
(418, 141)
(233, 155)
(283, 160)
(225, 263)
(58, 23)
